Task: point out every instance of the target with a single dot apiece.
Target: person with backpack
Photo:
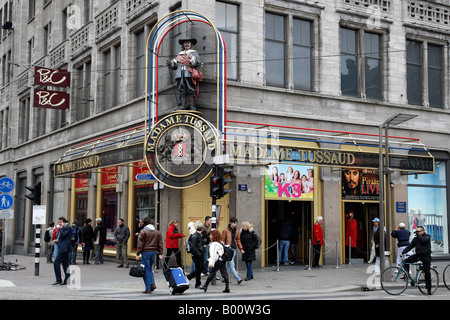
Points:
(216, 261)
(75, 239)
(230, 237)
(249, 241)
(196, 245)
(48, 238)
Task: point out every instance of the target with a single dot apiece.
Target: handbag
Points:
(137, 271)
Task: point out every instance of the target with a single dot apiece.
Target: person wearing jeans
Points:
(230, 237)
(285, 236)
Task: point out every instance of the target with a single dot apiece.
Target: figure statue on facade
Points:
(188, 74)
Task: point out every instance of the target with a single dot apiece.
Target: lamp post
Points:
(383, 167)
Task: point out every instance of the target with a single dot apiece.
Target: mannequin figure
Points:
(420, 219)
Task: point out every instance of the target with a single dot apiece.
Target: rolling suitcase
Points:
(176, 280)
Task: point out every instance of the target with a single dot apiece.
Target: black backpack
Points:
(47, 236)
(227, 253)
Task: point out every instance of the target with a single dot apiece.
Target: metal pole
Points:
(278, 255)
(381, 203)
(337, 255)
(3, 241)
(349, 250)
(37, 249)
(310, 255)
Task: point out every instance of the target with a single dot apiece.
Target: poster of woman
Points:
(289, 181)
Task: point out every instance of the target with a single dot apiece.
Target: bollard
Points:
(349, 250)
(278, 255)
(310, 255)
(184, 255)
(337, 256)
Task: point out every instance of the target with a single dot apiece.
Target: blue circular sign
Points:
(6, 184)
(6, 201)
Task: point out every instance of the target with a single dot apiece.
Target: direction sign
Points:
(6, 201)
(145, 176)
(6, 184)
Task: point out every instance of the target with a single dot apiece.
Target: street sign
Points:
(6, 201)
(6, 214)
(6, 184)
(144, 177)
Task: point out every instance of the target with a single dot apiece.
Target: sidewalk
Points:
(108, 278)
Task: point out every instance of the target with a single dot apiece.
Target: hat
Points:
(376, 220)
(200, 227)
(192, 40)
(402, 225)
(98, 219)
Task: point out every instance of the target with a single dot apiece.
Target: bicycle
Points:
(394, 280)
(446, 276)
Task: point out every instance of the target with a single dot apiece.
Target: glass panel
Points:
(349, 72)
(275, 63)
(231, 42)
(435, 76)
(433, 179)
(302, 68)
(144, 207)
(109, 215)
(414, 83)
(372, 63)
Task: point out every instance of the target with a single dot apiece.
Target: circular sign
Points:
(6, 201)
(180, 148)
(6, 184)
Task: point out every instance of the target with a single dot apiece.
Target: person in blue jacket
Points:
(64, 249)
(402, 235)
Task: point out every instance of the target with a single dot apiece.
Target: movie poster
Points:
(360, 184)
(289, 182)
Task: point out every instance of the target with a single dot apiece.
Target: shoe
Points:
(429, 293)
(152, 288)
(56, 283)
(146, 291)
(203, 288)
(227, 290)
(286, 263)
(238, 282)
(63, 283)
(120, 266)
(248, 278)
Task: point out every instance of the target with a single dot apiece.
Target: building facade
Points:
(339, 66)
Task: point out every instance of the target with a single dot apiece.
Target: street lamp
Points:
(383, 167)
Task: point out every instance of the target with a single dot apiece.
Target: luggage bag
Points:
(176, 280)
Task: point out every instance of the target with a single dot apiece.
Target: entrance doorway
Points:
(360, 230)
(299, 215)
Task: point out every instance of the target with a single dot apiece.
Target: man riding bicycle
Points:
(422, 243)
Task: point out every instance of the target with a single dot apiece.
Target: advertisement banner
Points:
(51, 77)
(286, 181)
(51, 99)
(360, 184)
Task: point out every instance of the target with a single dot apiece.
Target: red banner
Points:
(51, 77)
(51, 99)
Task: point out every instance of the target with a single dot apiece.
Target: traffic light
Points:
(221, 172)
(35, 195)
(214, 186)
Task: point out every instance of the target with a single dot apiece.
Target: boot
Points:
(205, 287)
(227, 286)
(192, 103)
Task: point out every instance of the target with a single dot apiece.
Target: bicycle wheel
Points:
(394, 280)
(434, 281)
(446, 276)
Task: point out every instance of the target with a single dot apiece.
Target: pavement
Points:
(106, 281)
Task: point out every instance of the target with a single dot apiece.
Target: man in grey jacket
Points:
(121, 236)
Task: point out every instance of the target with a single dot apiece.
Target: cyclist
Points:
(422, 243)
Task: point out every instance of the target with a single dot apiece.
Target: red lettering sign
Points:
(51, 99)
(51, 77)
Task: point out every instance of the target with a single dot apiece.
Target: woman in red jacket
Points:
(172, 236)
(317, 241)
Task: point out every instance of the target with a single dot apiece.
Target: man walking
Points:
(64, 249)
(121, 236)
(230, 237)
(422, 243)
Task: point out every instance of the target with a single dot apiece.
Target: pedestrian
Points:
(140, 226)
(192, 227)
(121, 236)
(230, 237)
(215, 261)
(48, 238)
(249, 241)
(206, 241)
(317, 241)
(149, 246)
(100, 240)
(87, 240)
(75, 239)
(422, 243)
(172, 243)
(285, 234)
(402, 235)
(196, 243)
(64, 249)
(376, 240)
(55, 235)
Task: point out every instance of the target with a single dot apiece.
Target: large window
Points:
(227, 23)
(427, 204)
(112, 76)
(144, 203)
(302, 49)
(275, 50)
(424, 74)
(360, 48)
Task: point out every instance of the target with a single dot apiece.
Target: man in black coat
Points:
(422, 243)
(64, 248)
(196, 242)
(100, 240)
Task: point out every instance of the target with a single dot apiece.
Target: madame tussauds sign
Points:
(180, 148)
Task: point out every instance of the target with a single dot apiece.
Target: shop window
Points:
(427, 205)
(144, 204)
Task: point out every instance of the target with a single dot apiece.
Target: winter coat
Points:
(318, 234)
(422, 243)
(249, 241)
(227, 237)
(196, 245)
(216, 251)
(87, 237)
(402, 236)
(64, 241)
(172, 236)
(100, 234)
(149, 240)
(122, 234)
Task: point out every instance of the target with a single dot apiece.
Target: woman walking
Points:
(249, 241)
(172, 245)
(215, 261)
(87, 240)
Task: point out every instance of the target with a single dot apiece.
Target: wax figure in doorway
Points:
(351, 234)
(188, 74)
(317, 241)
